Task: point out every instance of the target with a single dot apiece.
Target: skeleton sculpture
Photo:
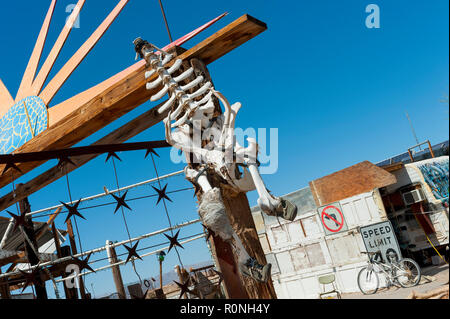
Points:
(192, 107)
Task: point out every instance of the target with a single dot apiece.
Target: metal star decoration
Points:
(161, 194)
(210, 232)
(121, 201)
(30, 277)
(132, 252)
(143, 297)
(173, 241)
(112, 154)
(19, 220)
(73, 210)
(184, 288)
(83, 263)
(10, 165)
(151, 150)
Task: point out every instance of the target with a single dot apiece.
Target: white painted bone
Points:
(192, 84)
(160, 94)
(266, 202)
(214, 153)
(183, 76)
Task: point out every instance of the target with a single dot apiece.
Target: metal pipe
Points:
(123, 261)
(7, 232)
(100, 249)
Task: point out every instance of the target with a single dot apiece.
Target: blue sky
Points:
(336, 90)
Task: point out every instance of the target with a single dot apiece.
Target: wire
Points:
(75, 219)
(165, 21)
(124, 218)
(112, 203)
(165, 207)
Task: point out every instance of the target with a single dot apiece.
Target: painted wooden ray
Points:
(29, 115)
(6, 99)
(58, 112)
(38, 83)
(30, 71)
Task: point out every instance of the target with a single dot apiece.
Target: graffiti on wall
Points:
(436, 176)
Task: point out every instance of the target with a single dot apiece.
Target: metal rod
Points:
(7, 232)
(100, 249)
(109, 192)
(123, 261)
(79, 151)
(413, 131)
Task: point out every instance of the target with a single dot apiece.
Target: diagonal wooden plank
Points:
(126, 95)
(33, 63)
(6, 100)
(38, 83)
(55, 84)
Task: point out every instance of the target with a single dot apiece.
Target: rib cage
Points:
(184, 100)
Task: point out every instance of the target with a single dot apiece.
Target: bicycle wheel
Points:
(408, 273)
(368, 281)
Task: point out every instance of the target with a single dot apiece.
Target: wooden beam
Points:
(127, 94)
(4, 288)
(49, 223)
(122, 134)
(31, 247)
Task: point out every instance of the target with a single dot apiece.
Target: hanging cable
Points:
(165, 207)
(124, 219)
(165, 21)
(74, 217)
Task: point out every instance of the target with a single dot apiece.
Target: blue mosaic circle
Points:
(17, 128)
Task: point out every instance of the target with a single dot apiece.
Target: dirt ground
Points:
(432, 277)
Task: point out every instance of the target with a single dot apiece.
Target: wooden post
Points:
(431, 149)
(71, 293)
(239, 213)
(160, 275)
(181, 278)
(73, 247)
(4, 288)
(411, 156)
(33, 259)
(116, 270)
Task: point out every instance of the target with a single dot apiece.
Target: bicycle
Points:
(405, 271)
